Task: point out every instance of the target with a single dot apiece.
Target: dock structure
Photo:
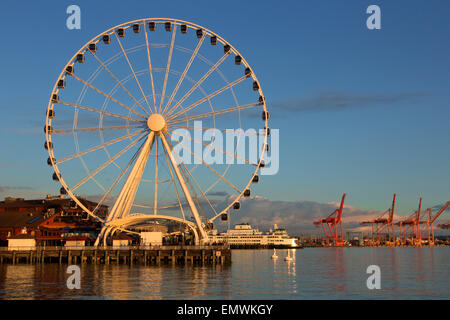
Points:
(118, 255)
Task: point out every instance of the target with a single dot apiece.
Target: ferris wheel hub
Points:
(156, 122)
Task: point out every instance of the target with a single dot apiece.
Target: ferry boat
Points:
(244, 236)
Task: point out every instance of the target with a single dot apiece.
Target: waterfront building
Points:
(21, 241)
(121, 241)
(151, 238)
(77, 242)
(49, 221)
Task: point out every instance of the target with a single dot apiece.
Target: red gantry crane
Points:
(333, 229)
(430, 220)
(383, 227)
(410, 228)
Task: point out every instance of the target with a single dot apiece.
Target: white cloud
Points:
(297, 216)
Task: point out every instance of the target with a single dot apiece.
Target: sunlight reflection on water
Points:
(315, 273)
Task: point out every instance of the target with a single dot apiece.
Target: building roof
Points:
(15, 218)
(32, 213)
(47, 203)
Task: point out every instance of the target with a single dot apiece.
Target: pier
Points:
(118, 255)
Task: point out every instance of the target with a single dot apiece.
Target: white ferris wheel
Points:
(133, 95)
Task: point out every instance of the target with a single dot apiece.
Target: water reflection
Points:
(417, 273)
(114, 282)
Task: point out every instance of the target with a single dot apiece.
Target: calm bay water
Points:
(316, 273)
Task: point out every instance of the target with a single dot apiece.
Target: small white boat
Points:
(274, 256)
(288, 257)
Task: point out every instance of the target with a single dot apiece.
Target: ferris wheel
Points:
(139, 120)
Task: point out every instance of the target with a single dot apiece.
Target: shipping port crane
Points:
(407, 227)
(333, 230)
(383, 226)
(431, 219)
(410, 228)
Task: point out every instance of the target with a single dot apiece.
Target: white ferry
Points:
(244, 236)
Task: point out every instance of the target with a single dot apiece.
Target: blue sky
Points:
(359, 111)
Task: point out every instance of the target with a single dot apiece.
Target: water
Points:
(316, 273)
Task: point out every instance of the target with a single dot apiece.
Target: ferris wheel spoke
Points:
(107, 163)
(100, 146)
(211, 95)
(118, 82)
(169, 59)
(213, 113)
(107, 95)
(174, 185)
(217, 181)
(204, 163)
(112, 114)
(215, 148)
(190, 186)
(150, 68)
(198, 83)
(183, 75)
(203, 194)
(127, 195)
(132, 70)
(184, 187)
(216, 216)
(122, 173)
(179, 126)
(152, 208)
(97, 129)
(194, 193)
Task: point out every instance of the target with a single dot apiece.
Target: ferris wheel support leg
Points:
(127, 194)
(204, 236)
(126, 197)
(105, 237)
(99, 237)
(109, 230)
